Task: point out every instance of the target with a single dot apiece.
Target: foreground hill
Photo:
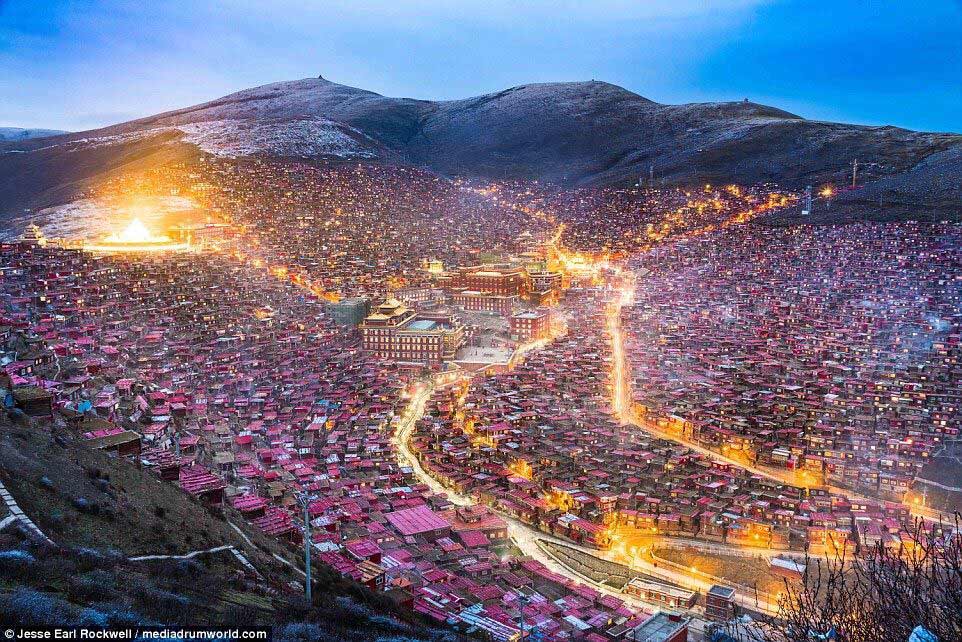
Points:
(103, 514)
(579, 133)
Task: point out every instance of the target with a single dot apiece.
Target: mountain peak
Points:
(594, 87)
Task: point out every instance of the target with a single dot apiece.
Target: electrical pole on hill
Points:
(854, 171)
(523, 600)
(305, 502)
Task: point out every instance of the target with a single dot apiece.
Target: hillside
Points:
(20, 133)
(578, 133)
(102, 513)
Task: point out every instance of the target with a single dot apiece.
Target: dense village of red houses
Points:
(836, 354)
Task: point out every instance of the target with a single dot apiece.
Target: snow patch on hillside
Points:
(19, 133)
(92, 142)
(93, 218)
(309, 137)
(105, 141)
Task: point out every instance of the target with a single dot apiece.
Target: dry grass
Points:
(747, 571)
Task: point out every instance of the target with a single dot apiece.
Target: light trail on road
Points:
(402, 439)
(621, 388)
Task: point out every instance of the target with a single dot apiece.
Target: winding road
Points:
(523, 536)
(402, 443)
(527, 538)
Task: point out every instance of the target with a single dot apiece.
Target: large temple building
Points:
(395, 331)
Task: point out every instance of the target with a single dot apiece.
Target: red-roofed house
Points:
(419, 520)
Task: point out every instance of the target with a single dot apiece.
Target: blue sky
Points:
(74, 64)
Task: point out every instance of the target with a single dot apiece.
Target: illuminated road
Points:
(621, 391)
(523, 536)
(402, 442)
(527, 538)
(621, 407)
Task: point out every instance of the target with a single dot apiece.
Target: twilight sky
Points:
(79, 64)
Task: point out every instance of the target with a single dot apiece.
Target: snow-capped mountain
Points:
(577, 133)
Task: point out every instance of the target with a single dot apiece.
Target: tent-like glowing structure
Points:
(136, 237)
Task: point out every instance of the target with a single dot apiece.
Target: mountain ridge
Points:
(27, 133)
(584, 133)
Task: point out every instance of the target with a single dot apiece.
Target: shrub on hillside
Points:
(299, 632)
(16, 563)
(89, 559)
(27, 607)
(388, 625)
(54, 568)
(94, 586)
(349, 612)
(164, 606)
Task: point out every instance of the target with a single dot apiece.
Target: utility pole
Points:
(305, 504)
(854, 171)
(523, 600)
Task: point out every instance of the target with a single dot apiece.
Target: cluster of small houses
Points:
(833, 352)
(623, 221)
(539, 443)
(165, 360)
(355, 229)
